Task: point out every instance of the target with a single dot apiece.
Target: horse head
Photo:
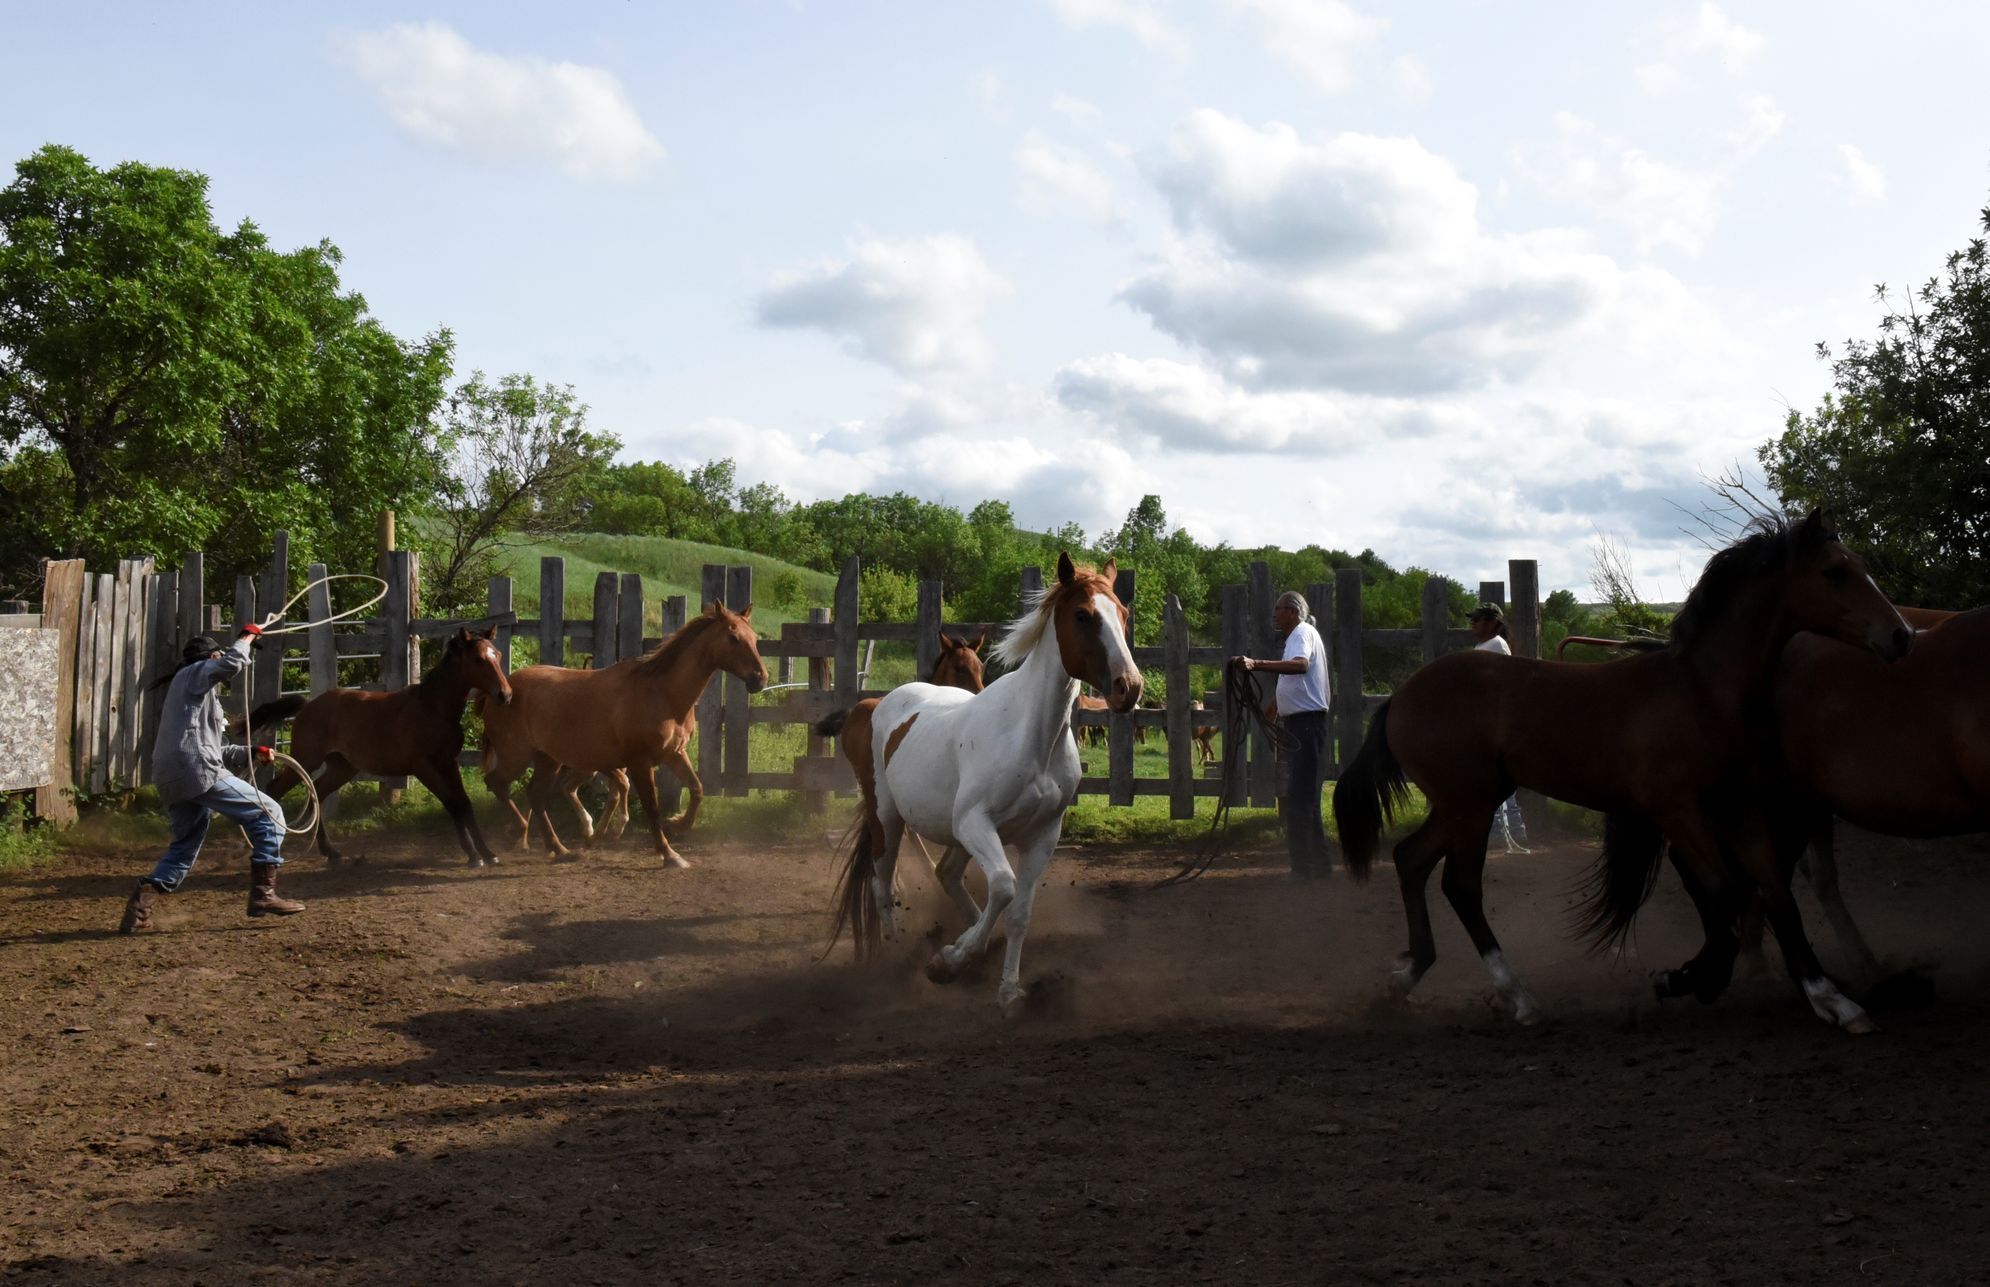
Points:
(1829, 591)
(475, 656)
(1092, 628)
(734, 648)
(959, 665)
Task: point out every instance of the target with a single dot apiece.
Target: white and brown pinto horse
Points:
(977, 772)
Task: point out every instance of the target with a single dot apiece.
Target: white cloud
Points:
(1867, 180)
(1138, 18)
(1183, 405)
(913, 304)
(1056, 179)
(1712, 31)
(1661, 203)
(1319, 37)
(1354, 263)
(444, 91)
(992, 94)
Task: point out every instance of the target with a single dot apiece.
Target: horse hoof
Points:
(565, 855)
(939, 971)
(476, 863)
(1860, 1026)
(674, 862)
(1013, 1006)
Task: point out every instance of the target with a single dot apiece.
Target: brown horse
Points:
(1204, 734)
(1903, 750)
(1658, 742)
(415, 732)
(634, 716)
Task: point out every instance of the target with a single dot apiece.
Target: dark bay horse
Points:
(1660, 743)
(1902, 750)
(633, 716)
(417, 732)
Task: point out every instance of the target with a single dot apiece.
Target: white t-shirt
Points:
(1307, 692)
(1494, 644)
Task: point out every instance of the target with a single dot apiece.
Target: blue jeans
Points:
(233, 799)
(1305, 832)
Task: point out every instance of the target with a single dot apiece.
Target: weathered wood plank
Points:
(162, 650)
(102, 676)
(1523, 622)
(324, 648)
(711, 702)
(1236, 642)
(62, 608)
(1264, 643)
(497, 608)
(607, 625)
(926, 630)
(193, 598)
(738, 702)
(629, 617)
(398, 610)
(552, 610)
(816, 800)
(1180, 720)
(271, 591)
(1351, 714)
(1435, 610)
(1119, 727)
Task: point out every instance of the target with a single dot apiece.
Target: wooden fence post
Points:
(324, 648)
(116, 767)
(606, 629)
(1119, 727)
(1236, 642)
(552, 610)
(162, 653)
(273, 589)
(1181, 721)
(711, 702)
(1524, 621)
(193, 598)
(104, 628)
(668, 789)
(629, 617)
(926, 630)
(818, 681)
(497, 602)
(131, 681)
(1493, 592)
(1263, 643)
(62, 607)
(1350, 703)
(397, 610)
(1436, 617)
(739, 719)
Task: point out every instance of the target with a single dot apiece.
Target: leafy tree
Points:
(521, 453)
(165, 385)
(1899, 451)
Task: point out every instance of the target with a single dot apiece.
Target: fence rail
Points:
(123, 630)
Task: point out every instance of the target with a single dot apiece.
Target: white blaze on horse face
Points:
(1119, 655)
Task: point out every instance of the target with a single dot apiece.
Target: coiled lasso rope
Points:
(269, 626)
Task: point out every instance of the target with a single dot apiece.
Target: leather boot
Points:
(263, 900)
(138, 908)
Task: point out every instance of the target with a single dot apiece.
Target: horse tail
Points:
(1621, 879)
(831, 724)
(1370, 792)
(854, 903)
(270, 714)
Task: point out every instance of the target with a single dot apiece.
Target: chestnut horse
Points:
(1658, 742)
(415, 732)
(977, 772)
(632, 716)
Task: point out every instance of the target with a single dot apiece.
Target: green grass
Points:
(667, 567)
(24, 842)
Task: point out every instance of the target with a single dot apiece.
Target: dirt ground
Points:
(606, 1073)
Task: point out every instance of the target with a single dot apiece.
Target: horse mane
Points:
(433, 676)
(1770, 544)
(669, 652)
(1026, 631)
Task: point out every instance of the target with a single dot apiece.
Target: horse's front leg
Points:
(975, 831)
(1035, 857)
(616, 818)
(644, 778)
(570, 784)
(445, 781)
(1822, 868)
(679, 764)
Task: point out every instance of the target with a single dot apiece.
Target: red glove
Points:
(252, 629)
(265, 755)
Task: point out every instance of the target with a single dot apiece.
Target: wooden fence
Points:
(122, 631)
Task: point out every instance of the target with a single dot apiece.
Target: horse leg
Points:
(500, 781)
(1464, 886)
(1822, 868)
(1416, 857)
(570, 784)
(887, 836)
(644, 778)
(337, 772)
(680, 765)
(616, 816)
(977, 832)
(1035, 854)
(545, 782)
(952, 870)
(445, 780)
(1698, 857)
(1769, 855)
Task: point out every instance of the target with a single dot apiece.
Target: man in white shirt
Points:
(1488, 625)
(1300, 707)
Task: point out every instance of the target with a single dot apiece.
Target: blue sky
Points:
(1457, 282)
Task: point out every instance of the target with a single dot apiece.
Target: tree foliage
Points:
(165, 385)
(1899, 451)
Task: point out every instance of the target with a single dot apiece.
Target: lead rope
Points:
(268, 626)
(1240, 708)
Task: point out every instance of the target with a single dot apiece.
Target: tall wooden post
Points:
(1119, 727)
(606, 632)
(1263, 643)
(1493, 592)
(1236, 643)
(1181, 721)
(711, 702)
(1524, 621)
(397, 611)
(629, 617)
(738, 702)
(1350, 705)
(1436, 617)
(552, 611)
(926, 630)
(497, 602)
(324, 648)
(62, 608)
(271, 591)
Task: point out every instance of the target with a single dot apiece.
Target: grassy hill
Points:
(667, 567)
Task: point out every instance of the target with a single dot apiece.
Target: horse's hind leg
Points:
(1822, 868)
(680, 764)
(952, 871)
(1464, 886)
(445, 780)
(545, 784)
(643, 776)
(616, 816)
(887, 835)
(570, 784)
(1416, 856)
(337, 772)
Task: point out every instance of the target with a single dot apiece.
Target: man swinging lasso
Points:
(190, 766)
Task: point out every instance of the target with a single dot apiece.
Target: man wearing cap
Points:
(1300, 707)
(1488, 626)
(190, 767)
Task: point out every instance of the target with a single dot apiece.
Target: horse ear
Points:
(979, 640)
(714, 608)
(463, 635)
(1111, 570)
(1066, 572)
(746, 613)
(947, 642)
